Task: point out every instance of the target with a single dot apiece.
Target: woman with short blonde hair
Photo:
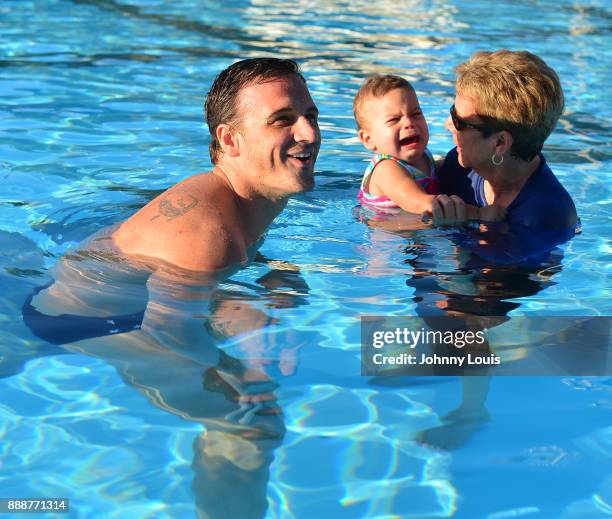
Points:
(507, 103)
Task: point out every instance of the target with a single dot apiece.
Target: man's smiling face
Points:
(279, 135)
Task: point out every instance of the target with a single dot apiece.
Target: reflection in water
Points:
(174, 356)
(477, 287)
(473, 275)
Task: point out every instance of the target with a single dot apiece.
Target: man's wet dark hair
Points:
(220, 106)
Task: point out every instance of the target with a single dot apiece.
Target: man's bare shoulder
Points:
(191, 225)
(208, 246)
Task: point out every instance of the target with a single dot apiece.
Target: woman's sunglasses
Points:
(461, 124)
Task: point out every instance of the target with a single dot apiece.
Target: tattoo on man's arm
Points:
(172, 210)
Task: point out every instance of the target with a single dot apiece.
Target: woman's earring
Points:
(496, 161)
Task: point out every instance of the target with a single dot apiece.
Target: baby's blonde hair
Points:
(376, 85)
(513, 90)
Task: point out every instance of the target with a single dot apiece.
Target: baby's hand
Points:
(491, 213)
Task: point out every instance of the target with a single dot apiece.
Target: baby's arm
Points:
(393, 181)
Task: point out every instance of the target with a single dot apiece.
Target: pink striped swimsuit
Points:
(382, 203)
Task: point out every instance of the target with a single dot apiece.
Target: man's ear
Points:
(366, 140)
(227, 137)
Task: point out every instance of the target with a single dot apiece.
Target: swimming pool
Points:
(101, 109)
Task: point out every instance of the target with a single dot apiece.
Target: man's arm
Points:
(186, 229)
(210, 246)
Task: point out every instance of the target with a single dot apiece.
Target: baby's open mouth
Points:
(407, 141)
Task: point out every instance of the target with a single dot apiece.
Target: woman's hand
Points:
(492, 213)
(448, 210)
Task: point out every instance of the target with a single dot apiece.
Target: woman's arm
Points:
(393, 181)
(452, 210)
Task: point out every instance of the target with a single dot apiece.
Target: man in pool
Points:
(150, 279)
(264, 143)
(160, 267)
(138, 295)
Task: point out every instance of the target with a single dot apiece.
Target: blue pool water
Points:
(101, 109)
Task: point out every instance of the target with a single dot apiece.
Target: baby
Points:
(402, 173)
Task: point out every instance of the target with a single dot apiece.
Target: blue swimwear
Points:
(542, 205)
(541, 216)
(66, 328)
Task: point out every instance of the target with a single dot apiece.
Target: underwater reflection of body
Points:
(477, 287)
(470, 274)
(174, 357)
